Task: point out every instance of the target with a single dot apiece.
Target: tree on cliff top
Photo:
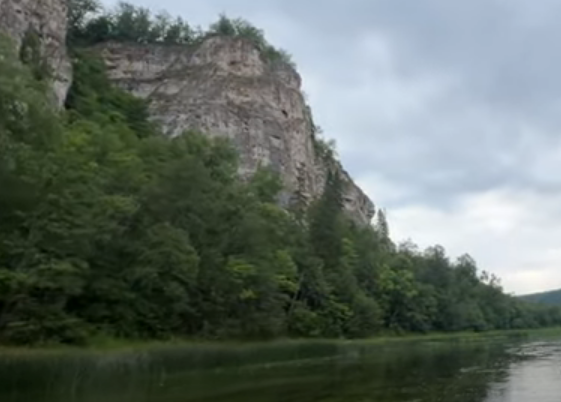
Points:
(90, 24)
(79, 12)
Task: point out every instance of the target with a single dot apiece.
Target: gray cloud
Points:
(435, 103)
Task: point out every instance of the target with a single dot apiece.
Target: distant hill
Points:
(552, 297)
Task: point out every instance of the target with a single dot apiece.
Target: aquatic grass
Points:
(133, 371)
(114, 356)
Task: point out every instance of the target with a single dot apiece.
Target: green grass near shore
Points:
(114, 362)
(106, 344)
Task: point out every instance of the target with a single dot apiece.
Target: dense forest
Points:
(553, 297)
(108, 227)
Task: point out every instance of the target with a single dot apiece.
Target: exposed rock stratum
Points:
(224, 87)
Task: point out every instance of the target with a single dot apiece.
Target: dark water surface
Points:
(494, 371)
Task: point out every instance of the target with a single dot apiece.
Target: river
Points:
(481, 371)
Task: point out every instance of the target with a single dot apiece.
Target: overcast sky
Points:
(445, 112)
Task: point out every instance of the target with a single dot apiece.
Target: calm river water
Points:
(490, 371)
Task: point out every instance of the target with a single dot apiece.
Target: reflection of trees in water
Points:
(441, 373)
(424, 372)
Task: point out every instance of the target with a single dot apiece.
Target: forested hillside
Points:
(552, 298)
(108, 227)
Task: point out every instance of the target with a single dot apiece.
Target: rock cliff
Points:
(222, 87)
(47, 20)
(225, 87)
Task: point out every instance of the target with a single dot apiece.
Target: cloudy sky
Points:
(446, 112)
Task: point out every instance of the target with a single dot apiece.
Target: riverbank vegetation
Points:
(107, 227)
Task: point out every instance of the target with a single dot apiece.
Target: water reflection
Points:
(438, 373)
(535, 376)
(491, 372)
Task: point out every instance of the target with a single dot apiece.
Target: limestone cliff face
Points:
(225, 88)
(46, 19)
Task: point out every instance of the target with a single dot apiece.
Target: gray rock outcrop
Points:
(48, 20)
(224, 87)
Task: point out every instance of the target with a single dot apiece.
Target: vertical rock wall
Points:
(47, 20)
(224, 87)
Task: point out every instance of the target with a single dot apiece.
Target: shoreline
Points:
(115, 345)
